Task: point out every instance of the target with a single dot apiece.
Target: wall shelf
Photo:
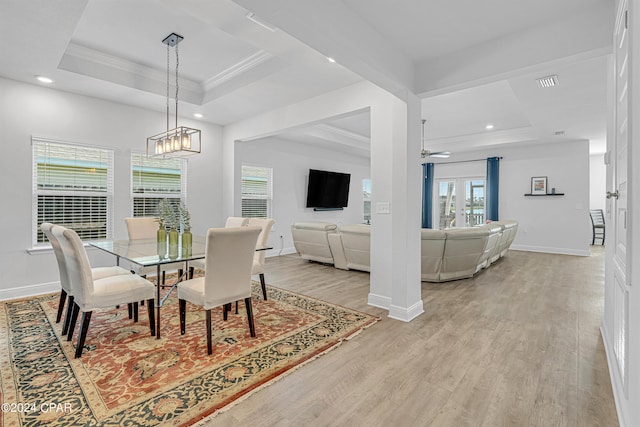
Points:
(543, 195)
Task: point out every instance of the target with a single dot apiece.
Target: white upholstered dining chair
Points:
(232, 221)
(227, 278)
(265, 224)
(90, 294)
(96, 273)
(236, 221)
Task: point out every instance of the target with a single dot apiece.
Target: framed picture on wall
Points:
(539, 185)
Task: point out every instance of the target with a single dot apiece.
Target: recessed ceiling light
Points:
(489, 126)
(548, 81)
(330, 59)
(197, 115)
(43, 79)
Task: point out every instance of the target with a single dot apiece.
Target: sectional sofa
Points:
(449, 254)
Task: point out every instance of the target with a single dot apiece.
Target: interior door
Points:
(616, 236)
(460, 202)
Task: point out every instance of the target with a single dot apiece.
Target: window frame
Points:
(183, 183)
(269, 193)
(36, 192)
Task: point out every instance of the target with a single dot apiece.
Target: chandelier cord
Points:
(177, 87)
(168, 65)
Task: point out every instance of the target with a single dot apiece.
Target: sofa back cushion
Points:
(462, 251)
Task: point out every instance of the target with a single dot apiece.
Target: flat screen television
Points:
(327, 190)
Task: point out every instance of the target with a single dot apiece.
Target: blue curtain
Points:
(493, 180)
(427, 195)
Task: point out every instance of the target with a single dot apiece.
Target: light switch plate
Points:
(383, 207)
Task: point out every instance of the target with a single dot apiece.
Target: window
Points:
(73, 187)
(155, 179)
(257, 192)
(366, 196)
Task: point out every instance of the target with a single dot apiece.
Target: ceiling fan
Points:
(426, 153)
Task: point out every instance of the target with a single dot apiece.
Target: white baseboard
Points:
(277, 252)
(551, 250)
(29, 291)
(618, 394)
(406, 314)
(379, 301)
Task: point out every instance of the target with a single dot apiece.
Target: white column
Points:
(395, 206)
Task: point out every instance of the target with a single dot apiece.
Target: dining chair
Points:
(232, 221)
(235, 221)
(146, 227)
(90, 294)
(96, 273)
(265, 224)
(227, 278)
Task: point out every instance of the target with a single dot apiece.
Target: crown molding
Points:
(235, 70)
(87, 55)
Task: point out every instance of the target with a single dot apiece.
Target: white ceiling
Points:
(232, 68)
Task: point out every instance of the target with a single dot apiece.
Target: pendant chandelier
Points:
(180, 141)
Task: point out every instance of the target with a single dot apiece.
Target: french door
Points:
(460, 202)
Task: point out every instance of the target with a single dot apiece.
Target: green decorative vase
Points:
(173, 243)
(162, 234)
(187, 242)
(173, 237)
(187, 239)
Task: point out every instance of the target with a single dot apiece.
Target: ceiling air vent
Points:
(548, 81)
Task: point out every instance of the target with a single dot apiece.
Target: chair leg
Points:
(180, 271)
(130, 310)
(236, 307)
(67, 316)
(208, 320)
(183, 315)
(142, 303)
(264, 286)
(247, 303)
(593, 234)
(225, 311)
(152, 317)
(163, 275)
(63, 298)
(72, 321)
(82, 334)
(135, 312)
(191, 271)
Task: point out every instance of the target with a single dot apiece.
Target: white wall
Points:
(554, 224)
(291, 163)
(27, 110)
(597, 182)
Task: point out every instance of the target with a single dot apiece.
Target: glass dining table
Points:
(149, 253)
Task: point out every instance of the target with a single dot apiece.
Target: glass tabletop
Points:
(150, 252)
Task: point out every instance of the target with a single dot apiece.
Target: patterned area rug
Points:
(127, 377)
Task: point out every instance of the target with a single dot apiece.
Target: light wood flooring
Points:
(518, 345)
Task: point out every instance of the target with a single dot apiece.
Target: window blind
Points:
(72, 187)
(155, 179)
(257, 191)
